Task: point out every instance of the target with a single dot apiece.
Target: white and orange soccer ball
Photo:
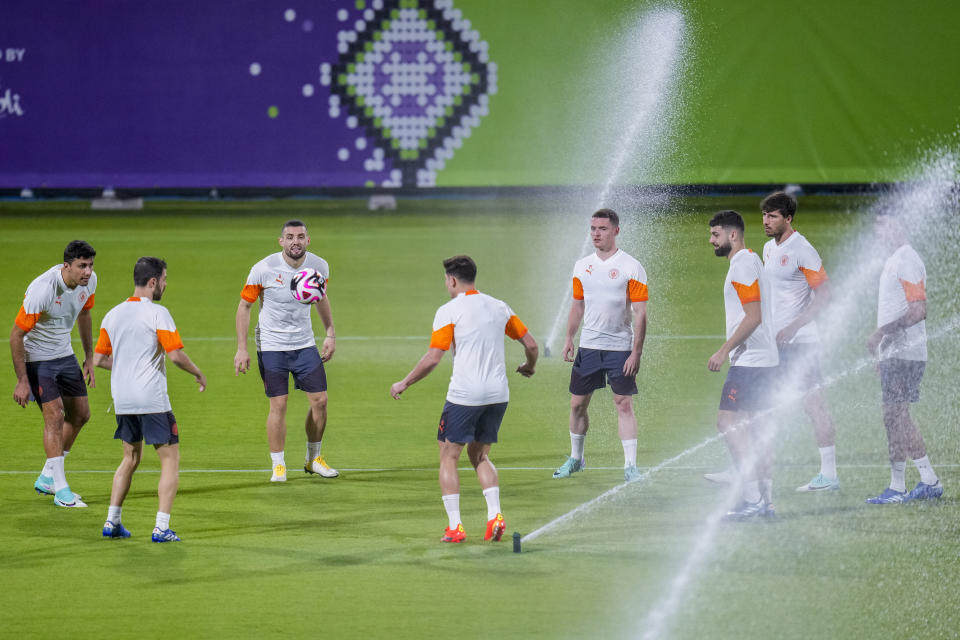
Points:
(307, 286)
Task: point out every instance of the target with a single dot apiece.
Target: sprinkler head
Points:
(516, 542)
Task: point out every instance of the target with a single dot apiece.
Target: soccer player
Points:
(285, 345)
(608, 285)
(473, 324)
(900, 343)
(134, 336)
(46, 366)
(800, 292)
(752, 352)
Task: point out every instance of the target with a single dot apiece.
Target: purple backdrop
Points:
(180, 94)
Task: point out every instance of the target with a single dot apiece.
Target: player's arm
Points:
(573, 323)
(532, 352)
(85, 327)
(632, 365)
(326, 317)
(183, 361)
(751, 320)
(916, 311)
(21, 392)
(821, 298)
(241, 361)
(427, 363)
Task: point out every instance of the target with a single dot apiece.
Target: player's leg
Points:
(315, 425)
(485, 435)
(450, 489)
(586, 376)
(275, 373)
(806, 375)
(913, 445)
(310, 376)
(166, 491)
(76, 414)
(122, 478)
(53, 446)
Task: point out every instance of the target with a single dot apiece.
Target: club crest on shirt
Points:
(83, 296)
(614, 274)
(784, 261)
(57, 301)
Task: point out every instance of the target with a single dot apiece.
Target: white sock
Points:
(927, 474)
(751, 491)
(898, 472)
(493, 501)
(66, 452)
(629, 452)
(828, 461)
(276, 457)
(59, 477)
(113, 514)
(163, 520)
(452, 504)
(576, 446)
(47, 468)
(313, 450)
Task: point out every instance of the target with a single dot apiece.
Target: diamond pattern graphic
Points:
(417, 78)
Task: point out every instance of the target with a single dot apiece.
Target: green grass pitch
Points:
(360, 555)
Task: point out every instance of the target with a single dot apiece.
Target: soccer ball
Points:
(307, 286)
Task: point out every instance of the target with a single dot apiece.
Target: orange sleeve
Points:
(814, 278)
(251, 292)
(747, 293)
(637, 291)
(26, 321)
(577, 289)
(89, 303)
(103, 343)
(515, 328)
(442, 338)
(169, 340)
(914, 292)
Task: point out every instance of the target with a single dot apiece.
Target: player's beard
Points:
(722, 251)
(157, 294)
(296, 256)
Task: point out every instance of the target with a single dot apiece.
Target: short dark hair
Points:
(728, 219)
(609, 214)
(292, 223)
(461, 268)
(78, 249)
(148, 267)
(780, 201)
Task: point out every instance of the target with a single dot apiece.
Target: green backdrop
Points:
(771, 91)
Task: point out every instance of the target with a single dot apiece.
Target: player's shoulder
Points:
(316, 262)
(44, 285)
(271, 261)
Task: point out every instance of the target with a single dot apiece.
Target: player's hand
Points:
(569, 352)
(88, 373)
(786, 334)
(21, 393)
(526, 370)
(241, 362)
(715, 363)
(632, 365)
(397, 388)
(201, 380)
(329, 346)
(873, 342)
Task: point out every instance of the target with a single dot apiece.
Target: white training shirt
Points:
(607, 288)
(138, 333)
(284, 323)
(795, 271)
(474, 324)
(903, 280)
(747, 282)
(49, 311)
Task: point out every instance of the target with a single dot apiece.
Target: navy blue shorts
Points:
(50, 379)
(900, 380)
(593, 367)
(799, 368)
(463, 424)
(152, 428)
(305, 365)
(748, 389)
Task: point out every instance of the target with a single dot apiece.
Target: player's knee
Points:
(624, 404)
